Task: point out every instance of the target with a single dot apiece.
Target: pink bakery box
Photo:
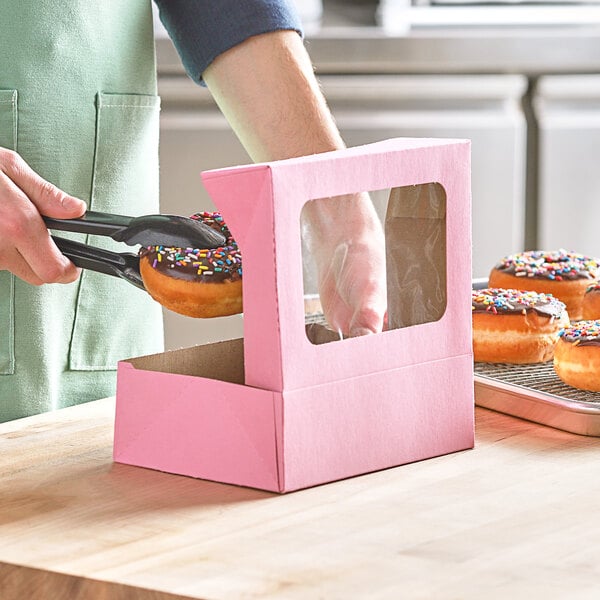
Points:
(277, 412)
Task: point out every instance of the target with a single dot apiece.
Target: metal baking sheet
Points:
(535, 393)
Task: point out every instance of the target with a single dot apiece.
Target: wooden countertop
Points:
(514, 518)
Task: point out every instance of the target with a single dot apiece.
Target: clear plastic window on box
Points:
(413, 261)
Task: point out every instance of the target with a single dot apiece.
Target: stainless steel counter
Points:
(367, 49)
(528, 52)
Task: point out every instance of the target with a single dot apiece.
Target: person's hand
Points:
(26, 248)
(346, 240)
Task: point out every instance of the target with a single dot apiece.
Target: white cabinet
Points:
(568, 114)
(367, 108)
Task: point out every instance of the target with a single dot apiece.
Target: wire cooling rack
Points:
(534, 392)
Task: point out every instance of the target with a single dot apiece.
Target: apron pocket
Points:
(8, 139)
(114, 320)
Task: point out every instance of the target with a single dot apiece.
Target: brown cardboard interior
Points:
(223, 361)
(317, 333)
(415, 234)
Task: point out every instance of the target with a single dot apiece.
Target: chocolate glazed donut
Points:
(577, 355)
(196, 282)
(590, 306)
(563, 274)
(511, 326)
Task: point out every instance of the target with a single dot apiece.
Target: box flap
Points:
(245, 198)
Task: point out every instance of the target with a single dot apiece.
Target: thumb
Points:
(48, 199)
(367, 319)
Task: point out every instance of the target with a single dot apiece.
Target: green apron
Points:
(78, 102)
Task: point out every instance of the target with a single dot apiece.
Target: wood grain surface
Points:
(514, 518)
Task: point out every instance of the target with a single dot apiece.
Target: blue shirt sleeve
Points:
(203, 29)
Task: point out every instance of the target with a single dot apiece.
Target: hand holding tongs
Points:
(148, 230)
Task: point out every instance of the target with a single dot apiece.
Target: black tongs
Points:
(148, 230)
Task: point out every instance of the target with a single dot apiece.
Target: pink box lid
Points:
(262, 204)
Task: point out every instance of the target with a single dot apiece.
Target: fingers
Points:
(337, 313)
(12, 261)
(16, 264)
(353, 288)
(361, 285)
(366, 298)
(48, 199)
(335, 309)
(364, 317)
(347, 241)
(26, 248)
(353, 306)
(367, 318)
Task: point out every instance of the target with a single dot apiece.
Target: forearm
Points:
(267, 90)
